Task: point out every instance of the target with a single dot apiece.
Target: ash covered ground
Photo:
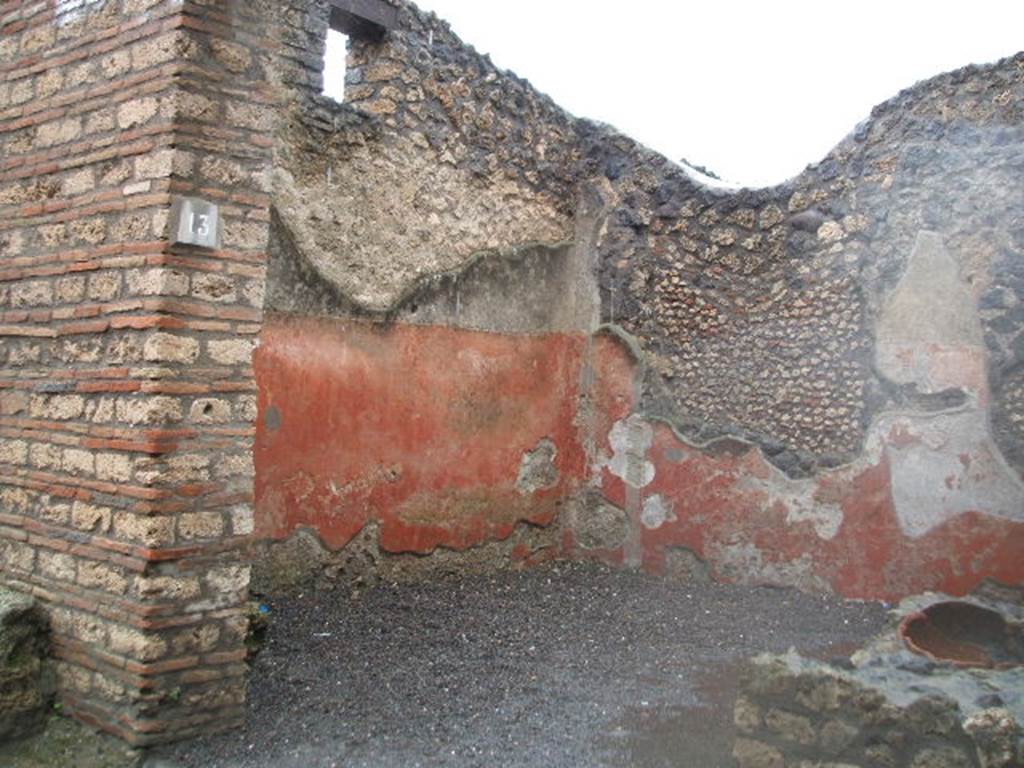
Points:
(566, 665)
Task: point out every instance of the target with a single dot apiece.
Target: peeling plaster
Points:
(537, 469)
(929, 333)
(656, 512)
(744, 563)
(598, 525)
(944, 465)
(630, 440)
(800, 499)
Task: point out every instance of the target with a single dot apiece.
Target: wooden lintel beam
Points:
(366, 19)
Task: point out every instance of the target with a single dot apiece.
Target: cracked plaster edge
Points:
(305, 529)
(386, 312)
(871, 453)
(854, 463)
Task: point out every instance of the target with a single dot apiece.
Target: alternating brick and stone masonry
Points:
(127, 395)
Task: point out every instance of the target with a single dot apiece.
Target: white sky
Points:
(752, 89)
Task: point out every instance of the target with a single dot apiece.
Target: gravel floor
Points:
(569, 665)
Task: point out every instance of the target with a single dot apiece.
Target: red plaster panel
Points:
(735, 511)
(744, 534)
(611, 372)
(421, 428)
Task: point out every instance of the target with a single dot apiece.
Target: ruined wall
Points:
(429, 297)
(805, 375)
(794, 712)
(435, 157)
(823, 360)
(126, 395)
(814, 384)
(940, 686)
(493, 333)
(761, 309)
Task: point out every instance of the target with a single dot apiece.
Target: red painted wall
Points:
(730, 508)
(717, 512)
(421, 429)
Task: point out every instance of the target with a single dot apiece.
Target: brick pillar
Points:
(127, 399)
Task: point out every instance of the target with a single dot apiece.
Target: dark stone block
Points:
(807, 221)
(25, 688)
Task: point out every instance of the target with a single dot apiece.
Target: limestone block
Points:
(101, 576)
(997, 736)
(136, 112)
(200, 525)
(150, 531)
(136, 644)
(170, 348)
(231, 352)
(755, 754)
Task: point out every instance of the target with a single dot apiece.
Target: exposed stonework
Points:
(437, 156)
(758, 308)
(25, 688)
(495, 334)
(772, 321)
(883, 707)
(596, 524)
(375, 221)
(537, 469)
(302, 562)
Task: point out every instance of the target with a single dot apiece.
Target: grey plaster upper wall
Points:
(756, 309)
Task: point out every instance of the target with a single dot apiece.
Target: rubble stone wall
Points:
(831, 367)
(430, 288)
(761, 310)
(792, 717)
(434, 158)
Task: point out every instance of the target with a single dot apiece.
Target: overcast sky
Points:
(753, 90)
